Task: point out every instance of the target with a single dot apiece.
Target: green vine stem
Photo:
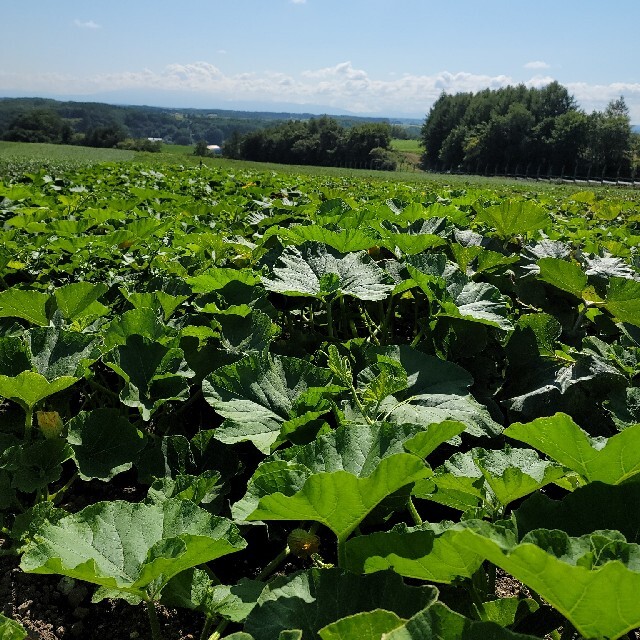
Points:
(343, 313)
(329, 318)
(52, 497)
(100, 387)
(219, 630)
(208, 623)
(359, 404)
(387, 326)
(579, 319)
(154, 623)
(274, 564)
(28, 424)
(342, 553)
(414, 512)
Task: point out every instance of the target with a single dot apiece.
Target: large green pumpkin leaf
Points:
(426, 374)
(28, 305)
(623, 300)
(251, 334)
(159, 301)
(426, 442)
(259, 394)
(310, 600)
(438, 622)
(531, 388)
(34, 465)
(436, 391)
(153, 374)
(613, 460)
(592, 580)
(80, 299)
(219, 277)
(515, 473)
(404, 244)
(564, 275)
(367, 625)
(434, 408)
(14, 356)
(203, 489)
(28, 387)
(455, 295)
(195, 589)
(343, 241)
(477, 302)
(142, 322)
(593, 507)
(535, 335)
(476, 259)
(104, 443)
(56, 352)
(339, 499)
(513, 217)
(356, 449)
(423, 552)
(318, 271)
(131, 548)
(458, 483)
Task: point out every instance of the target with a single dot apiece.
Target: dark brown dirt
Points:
(508, 587)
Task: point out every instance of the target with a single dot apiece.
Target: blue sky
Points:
(386, 57)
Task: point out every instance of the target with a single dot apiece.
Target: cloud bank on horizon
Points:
(341, 86)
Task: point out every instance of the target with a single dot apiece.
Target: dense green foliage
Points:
(343, 403)
(321, 142)
(104, 125)
(530, 130)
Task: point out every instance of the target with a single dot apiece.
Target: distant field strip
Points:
(60, 152)
(408, 146)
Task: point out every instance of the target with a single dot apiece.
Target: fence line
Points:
(631, 181)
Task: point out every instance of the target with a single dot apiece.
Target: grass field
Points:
(407, 146)
(62, 152)
(178, 149)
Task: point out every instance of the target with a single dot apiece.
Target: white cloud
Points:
(537, 64)
(539, 81)
(88, 24)
(342, 86)
(596, 96)
(298, 1)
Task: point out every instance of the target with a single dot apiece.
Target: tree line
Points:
(517, 129)
(104, 125)
(319, 141)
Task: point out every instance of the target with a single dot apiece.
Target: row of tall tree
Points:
(46, 120)
(527, 130)
(46, 125)
(319, 141)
